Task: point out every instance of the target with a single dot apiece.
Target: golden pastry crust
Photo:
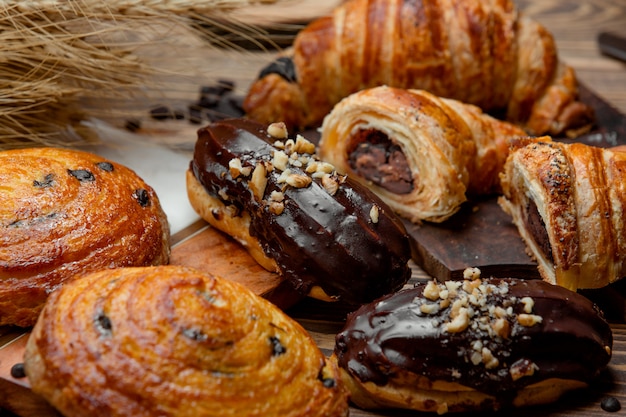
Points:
(170, 340)
(568, 203)
(452, 149)
(483, 53)
(64, 212)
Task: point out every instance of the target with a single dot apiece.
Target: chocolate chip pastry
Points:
(65, 212)
(170, 340)
(328, 236)
(476, 344)
(484, 53)
(568, 202)
(422, 154)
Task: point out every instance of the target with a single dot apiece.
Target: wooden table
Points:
(575, 25)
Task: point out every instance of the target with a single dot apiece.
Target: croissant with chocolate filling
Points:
(423, 155)
(65, 212)
(478, 52)
(472, 345)
(327, 235)
(173, 341)
(568, 202)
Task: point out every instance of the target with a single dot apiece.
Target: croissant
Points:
(64, 212)
(423, 155)
(174, 341)
(568, 202)
(483, 53)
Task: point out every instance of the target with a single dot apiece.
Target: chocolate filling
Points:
(282, 66)
(537, 229)
(377, 159)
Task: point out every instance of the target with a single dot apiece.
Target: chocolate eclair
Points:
(472, 345)
(329, 237)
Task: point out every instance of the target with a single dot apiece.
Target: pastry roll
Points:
(65, 212)
(173, 341)
(327, 235)
(479, 52)
(568, 202)
(478, 344)
(422, 154)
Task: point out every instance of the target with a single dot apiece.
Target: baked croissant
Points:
(483, 53)
(568, 202)
(478, 344)
(174, 341)
(423, 155)
(65, 212)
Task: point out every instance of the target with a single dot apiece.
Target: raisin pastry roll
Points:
(478, 344)
(64, 212)
(568, 202)
(328, 236)
(422, 154)
(483, 53)
(171, 340)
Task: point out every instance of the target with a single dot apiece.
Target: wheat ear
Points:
(54, 53)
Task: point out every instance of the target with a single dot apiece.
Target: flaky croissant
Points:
(174, 341)
(483, 53)
(423, 155)
(568, 202)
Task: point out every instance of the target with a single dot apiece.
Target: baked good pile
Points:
(415, 117)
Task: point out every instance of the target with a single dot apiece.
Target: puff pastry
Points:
(64, 212)
(328, 236)
(170, 340)
(479, 344)
(568, 202)
(484, 53)
(422, 154)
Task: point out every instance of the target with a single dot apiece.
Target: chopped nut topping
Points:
(522, 368)
(529, 320)
(431, 291)
(277, 196)
(276, 207)
(459, 323)
(302, 145)
(529, 303)
(483, 309)
(471, 273)
(259, 181)
(298, 180)
(280, 160)
(330, 184)
(278, 130)
(374, 214)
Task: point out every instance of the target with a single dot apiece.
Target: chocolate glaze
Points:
(391, 335)
(318, 239)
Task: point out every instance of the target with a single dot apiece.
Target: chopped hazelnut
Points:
(431, 291)
(459, 323)
(374, 214)
(278, 130)
(280, 160)
(276, 207)
(303, 145)
(529, 320)
(529, 303)
(258, 181)
(330, 185)
(298, 180)
(471, 273)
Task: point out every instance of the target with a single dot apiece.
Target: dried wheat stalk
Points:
(57, 52)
